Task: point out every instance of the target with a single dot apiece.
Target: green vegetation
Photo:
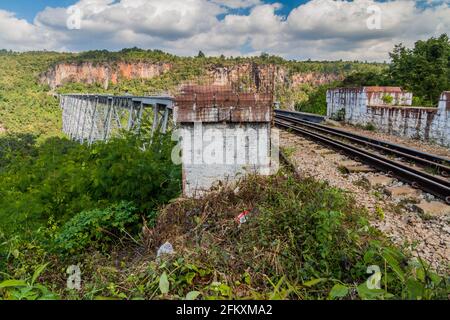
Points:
(97, 227)
(131, 54)
(424, 70)
(194, 68)
(108, 207)
(26, 106)
(369, 126)
(57, 179)
(367, 78)
(316, 102)
(302, 240)
(387, 99)
(58, 198)
(27, 289)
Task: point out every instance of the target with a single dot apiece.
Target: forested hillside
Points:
(27, 104)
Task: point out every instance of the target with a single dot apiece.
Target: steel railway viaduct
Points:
(90, 118)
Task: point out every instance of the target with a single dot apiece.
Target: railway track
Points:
(368, 150)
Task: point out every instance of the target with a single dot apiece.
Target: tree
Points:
(264, 56)
(317, 100)
(425, 69)
(201, 54)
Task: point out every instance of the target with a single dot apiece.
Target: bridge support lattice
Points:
(89, 118)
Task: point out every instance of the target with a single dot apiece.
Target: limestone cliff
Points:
(287, 84)
(104, 73)
(266, 73)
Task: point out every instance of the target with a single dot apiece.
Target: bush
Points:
(387, 99)
(302, 240)
(339, 115)
(317, 101)
(16, 145)
(97, 227)
(370, 127)
(310, 222)
(62, 178)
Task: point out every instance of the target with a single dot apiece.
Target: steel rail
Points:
(442, 162)
(442, 169)
(417, 179)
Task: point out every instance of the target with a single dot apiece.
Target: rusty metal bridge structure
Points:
(90, 118)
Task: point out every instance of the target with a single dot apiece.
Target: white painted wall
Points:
(214, 153)
(440, 128)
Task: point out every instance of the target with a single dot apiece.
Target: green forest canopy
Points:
(424, 70)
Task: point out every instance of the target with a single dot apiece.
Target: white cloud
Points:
(319, 29)
(18, 34)
(338, 30)
(237, 4)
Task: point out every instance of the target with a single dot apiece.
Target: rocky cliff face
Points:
(102, 73)
(263, 74)
(260, 75)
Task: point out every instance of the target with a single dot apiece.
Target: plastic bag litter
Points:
(242, 217)
(166, 248)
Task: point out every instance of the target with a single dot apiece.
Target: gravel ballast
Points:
(428, 237)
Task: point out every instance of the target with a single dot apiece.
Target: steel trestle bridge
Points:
(89, 118)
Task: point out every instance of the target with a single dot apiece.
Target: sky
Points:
(363, 30)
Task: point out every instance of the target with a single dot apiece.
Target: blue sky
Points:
(297, 29)
(27, 9)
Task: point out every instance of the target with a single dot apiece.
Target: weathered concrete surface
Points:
(379, 181)
(225, 135)
(216, 153)
(348, 163)
(402, 192)
(218, 103)
(434, 208)
(359, 169)
(367, 105)
(355, 100)
(323, 152)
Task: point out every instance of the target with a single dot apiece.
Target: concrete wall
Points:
(366, 105)
(224, 134)
(214, 153)
(351, 100)
(402, 121)
(440, 126)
